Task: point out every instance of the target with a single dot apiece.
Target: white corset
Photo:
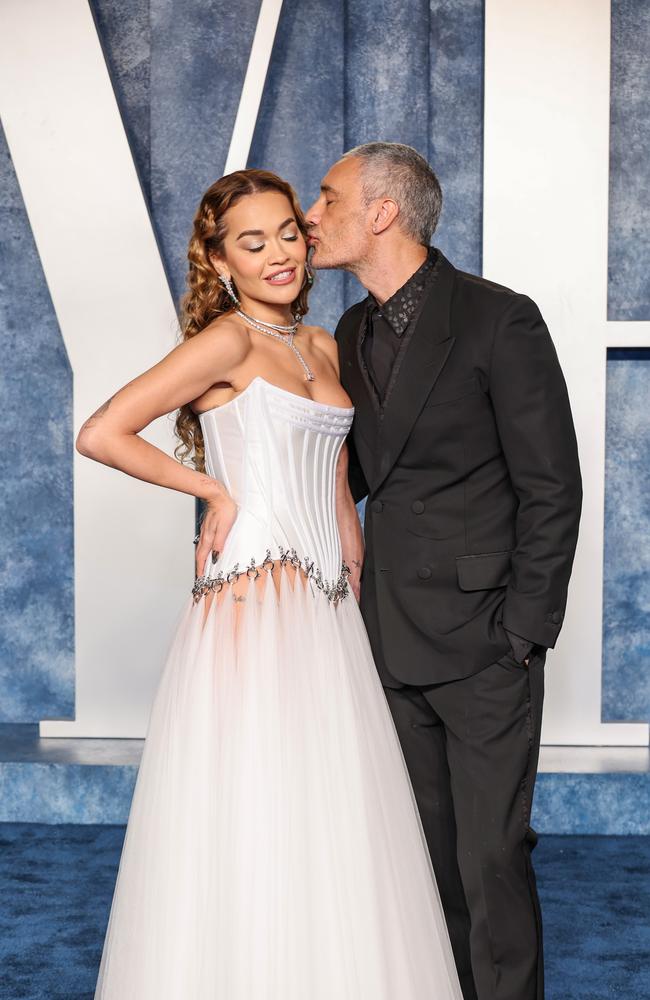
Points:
(276, 453)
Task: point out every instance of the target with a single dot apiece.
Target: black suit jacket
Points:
(473, 482)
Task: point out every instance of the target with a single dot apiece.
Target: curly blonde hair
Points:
(206, 298)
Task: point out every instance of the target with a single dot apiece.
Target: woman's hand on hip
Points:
(220, 515)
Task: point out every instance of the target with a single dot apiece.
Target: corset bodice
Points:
(276, 453)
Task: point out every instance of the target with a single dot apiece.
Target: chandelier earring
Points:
(230, 288)
(309, 274)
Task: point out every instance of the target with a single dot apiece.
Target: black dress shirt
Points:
(387, 329)
(387, 324)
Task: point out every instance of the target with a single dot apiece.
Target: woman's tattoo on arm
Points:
(98, 413)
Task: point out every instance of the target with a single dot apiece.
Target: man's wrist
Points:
(521, 647)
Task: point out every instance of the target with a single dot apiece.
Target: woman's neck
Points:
(268, 312)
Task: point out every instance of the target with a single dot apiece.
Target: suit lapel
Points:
(419, 367)
(357, 384)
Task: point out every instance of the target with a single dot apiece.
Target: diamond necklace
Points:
(284, 334)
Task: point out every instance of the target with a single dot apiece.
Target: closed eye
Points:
(291, 239)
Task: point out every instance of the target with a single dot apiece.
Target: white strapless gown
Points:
(274, 850)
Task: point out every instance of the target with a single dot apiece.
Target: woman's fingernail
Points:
(215, 556)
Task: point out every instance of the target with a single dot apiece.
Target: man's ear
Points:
(386, 213)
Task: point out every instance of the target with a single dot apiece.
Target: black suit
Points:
(471, 470)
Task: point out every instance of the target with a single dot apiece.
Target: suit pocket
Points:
(484, 570)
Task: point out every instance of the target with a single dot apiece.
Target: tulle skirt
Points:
(274, 850)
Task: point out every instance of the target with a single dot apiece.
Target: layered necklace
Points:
(285, 334)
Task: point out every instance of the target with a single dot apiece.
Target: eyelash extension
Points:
(291, 239)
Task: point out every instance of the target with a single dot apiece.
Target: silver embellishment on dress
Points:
(334, 591)
(267, 559)
(252, 569)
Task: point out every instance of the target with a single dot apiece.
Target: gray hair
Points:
(394, 170)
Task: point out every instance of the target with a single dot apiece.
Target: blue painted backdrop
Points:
(341, 73)
(626, 611)
(629, 177)
(36, 536)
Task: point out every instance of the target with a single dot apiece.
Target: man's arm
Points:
(358, 485)
(535, 425)
(357, 480)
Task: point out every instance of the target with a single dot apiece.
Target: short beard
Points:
(354, 267)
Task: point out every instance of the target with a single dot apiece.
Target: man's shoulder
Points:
(490, 296)
(352, 317)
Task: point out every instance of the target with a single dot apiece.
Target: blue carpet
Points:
(56, 884)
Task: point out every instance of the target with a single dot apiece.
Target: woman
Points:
(273, 850)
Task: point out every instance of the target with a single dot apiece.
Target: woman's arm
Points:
(110, 435)
(349, 524)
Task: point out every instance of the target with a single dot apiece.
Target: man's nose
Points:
(312, 215)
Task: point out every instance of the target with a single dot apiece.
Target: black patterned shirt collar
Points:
(400, 307)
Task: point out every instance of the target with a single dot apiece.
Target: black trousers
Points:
(471, 747)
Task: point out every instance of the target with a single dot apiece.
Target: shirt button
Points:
(376, 506)
(424, 572)
(556, 617)
(417, 506)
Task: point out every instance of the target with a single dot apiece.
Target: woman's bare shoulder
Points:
(322, 341)
(226, 336)
(318, 332)
(321, 338)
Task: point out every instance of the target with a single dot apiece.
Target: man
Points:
(463, 442)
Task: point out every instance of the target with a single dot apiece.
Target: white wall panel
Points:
(133, 541)
(545, 233)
